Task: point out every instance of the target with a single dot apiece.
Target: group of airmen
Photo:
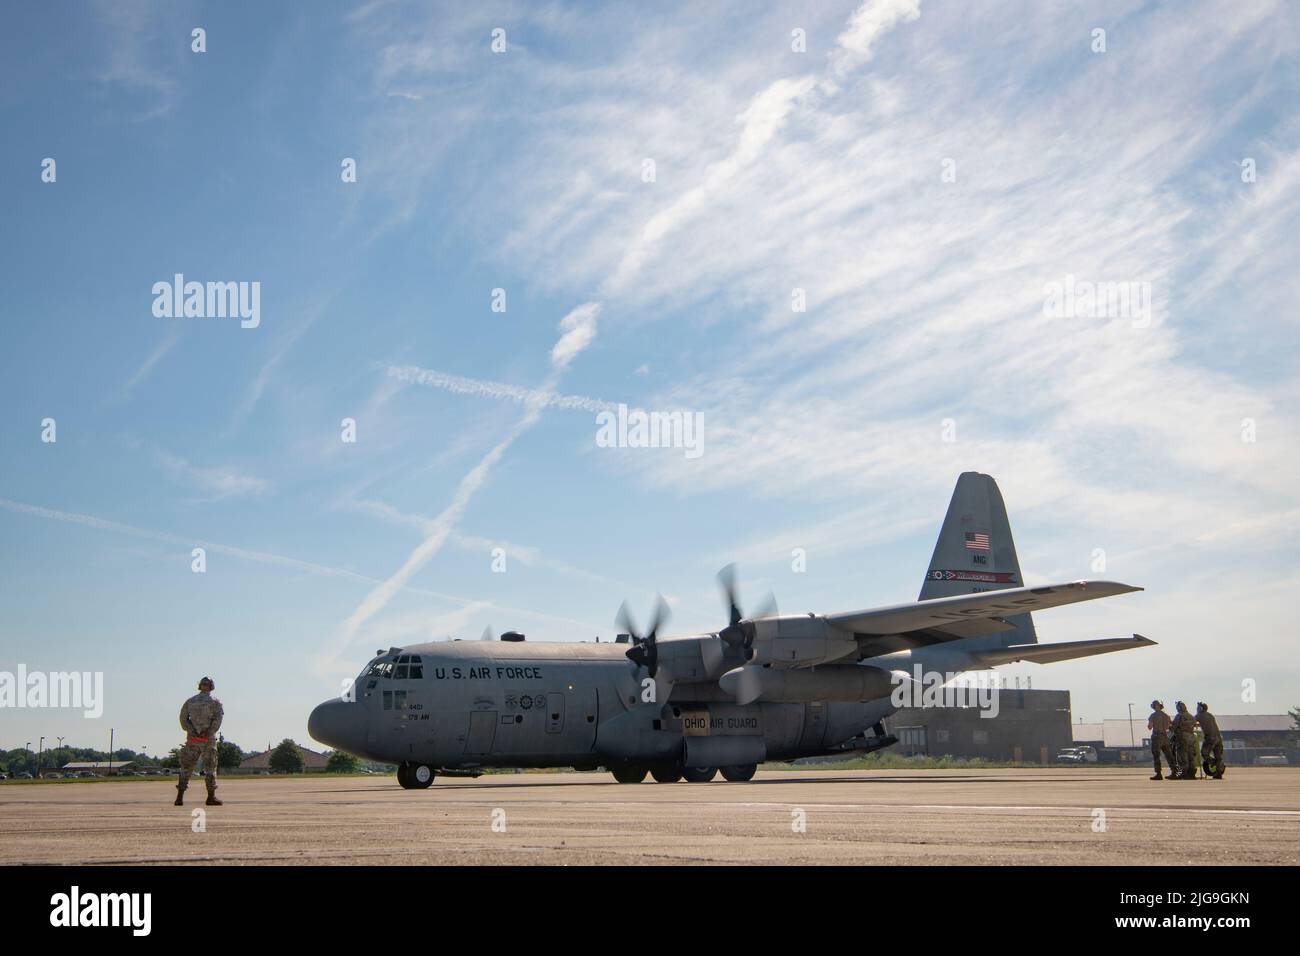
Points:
(1180, 751)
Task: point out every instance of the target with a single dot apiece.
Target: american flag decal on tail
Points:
(977, 541)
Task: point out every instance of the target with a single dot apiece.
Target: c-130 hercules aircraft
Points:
(767, 687)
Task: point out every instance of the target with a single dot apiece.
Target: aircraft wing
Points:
(953, 617)
(1065, 651)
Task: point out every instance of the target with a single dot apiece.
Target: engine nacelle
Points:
(799, 642)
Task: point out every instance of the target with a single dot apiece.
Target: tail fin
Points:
(975, 552)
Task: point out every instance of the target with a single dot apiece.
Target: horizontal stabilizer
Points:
(938, 612)
(1066, 651)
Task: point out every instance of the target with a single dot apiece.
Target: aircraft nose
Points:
(338, 723)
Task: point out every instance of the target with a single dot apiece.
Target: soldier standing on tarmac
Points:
(201, 717)
(1185, 742)
(1158, 723)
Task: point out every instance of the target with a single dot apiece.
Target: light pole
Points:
(28, 747)
(39, 754)
(1131, 741)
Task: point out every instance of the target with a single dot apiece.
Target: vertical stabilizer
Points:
(975, 551)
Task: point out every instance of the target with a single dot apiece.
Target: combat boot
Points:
(1158, 776)
(180, 795)
(212, 800)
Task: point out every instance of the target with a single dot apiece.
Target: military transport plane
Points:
(766, 687)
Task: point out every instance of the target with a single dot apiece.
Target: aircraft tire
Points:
(699, 774)
(628, 774)
(739, 773)
(666, 774)
(415, 776)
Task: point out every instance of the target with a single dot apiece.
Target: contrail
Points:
(579, 328)
(485, 388)
(259, 557)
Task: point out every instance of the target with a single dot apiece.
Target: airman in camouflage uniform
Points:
(200, 719)
(1184, 728)
(1211, 743)
(1158, 723)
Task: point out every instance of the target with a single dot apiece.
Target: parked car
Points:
(1077, 755)
(23, 776)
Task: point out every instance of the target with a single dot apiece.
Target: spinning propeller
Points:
(644, 652)
(739, 631)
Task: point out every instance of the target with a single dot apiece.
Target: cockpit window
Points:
(403, 667)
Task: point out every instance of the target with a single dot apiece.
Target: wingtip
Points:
(1119, 586)
(1144, 641)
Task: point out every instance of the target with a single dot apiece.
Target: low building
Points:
(102, 767)
(311, 761)
(1030, 726)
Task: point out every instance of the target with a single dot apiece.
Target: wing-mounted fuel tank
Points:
(798, 641)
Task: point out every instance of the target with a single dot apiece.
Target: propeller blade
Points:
(767, 608)
(727, 580)
(625, 623)
(661, 615)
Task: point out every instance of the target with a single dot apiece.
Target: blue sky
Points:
(522, 170)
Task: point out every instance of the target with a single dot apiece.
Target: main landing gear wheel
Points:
(740, 773)
(628, 774)
(666, 774)
(416, 776)
(699, 774)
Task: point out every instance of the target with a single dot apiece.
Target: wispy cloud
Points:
(131, 33)
(869, 22)
(214, 483)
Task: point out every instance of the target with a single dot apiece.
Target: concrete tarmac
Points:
(1046, 816)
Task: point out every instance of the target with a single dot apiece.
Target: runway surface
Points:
(1070, 816)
